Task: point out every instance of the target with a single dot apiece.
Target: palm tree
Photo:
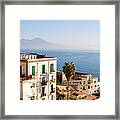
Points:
(69, 71)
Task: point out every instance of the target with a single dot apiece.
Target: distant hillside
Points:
(38, 43)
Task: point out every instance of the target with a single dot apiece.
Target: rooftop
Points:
(81, 73)
(90, 97)
(32, 56)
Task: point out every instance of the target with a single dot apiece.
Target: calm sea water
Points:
(85, 61)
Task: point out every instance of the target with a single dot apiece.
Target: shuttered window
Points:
(43, 68)
(33, 70)
(51, 68)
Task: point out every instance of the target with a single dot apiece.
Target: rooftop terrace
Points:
(27, 56)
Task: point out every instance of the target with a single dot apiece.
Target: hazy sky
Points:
(79, 34)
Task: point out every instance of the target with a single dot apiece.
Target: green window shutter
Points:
(43, 68)
(33, 70)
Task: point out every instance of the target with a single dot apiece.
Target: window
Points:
(84, 88)
(43, 91)
(40, 79)
(43, 79)
(51, 67)
(32, 98)
(33, 85)
(52, 77)
(94, 81)
(43, 68)
(33, 70)
(84, 82)
(51, 88)
(52, 97)
(20, 69)
(88, 87)
(89, 82)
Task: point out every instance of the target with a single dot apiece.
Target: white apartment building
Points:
(86, 82)
(38, 77)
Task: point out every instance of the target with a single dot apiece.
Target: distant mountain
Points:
(38, 43)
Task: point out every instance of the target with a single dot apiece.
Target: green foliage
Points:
(69, 70)
(58, 82)
(59, 96)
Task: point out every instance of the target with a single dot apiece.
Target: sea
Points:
(84, 60)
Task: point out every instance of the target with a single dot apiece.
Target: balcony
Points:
(33, 85)
(51, 72)
(52, 80)
(52, 91)
(28, 77)
(43, 94)
(43, 83)
(44, 74)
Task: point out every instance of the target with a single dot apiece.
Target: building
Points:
(84, 82)
(37, 77)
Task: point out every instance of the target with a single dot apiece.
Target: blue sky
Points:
(77, 34)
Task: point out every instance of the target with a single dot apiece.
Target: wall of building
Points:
(24, 69)
(83, 83)
(38, 66)
(50, 77)
(29, 89)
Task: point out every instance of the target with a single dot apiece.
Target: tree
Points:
(59, 96)
(69, 71)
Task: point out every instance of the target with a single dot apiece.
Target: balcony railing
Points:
(52, 91)
(23, 77)
(52, 80)
(51, 72)
(43, 83)
(43, 94)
